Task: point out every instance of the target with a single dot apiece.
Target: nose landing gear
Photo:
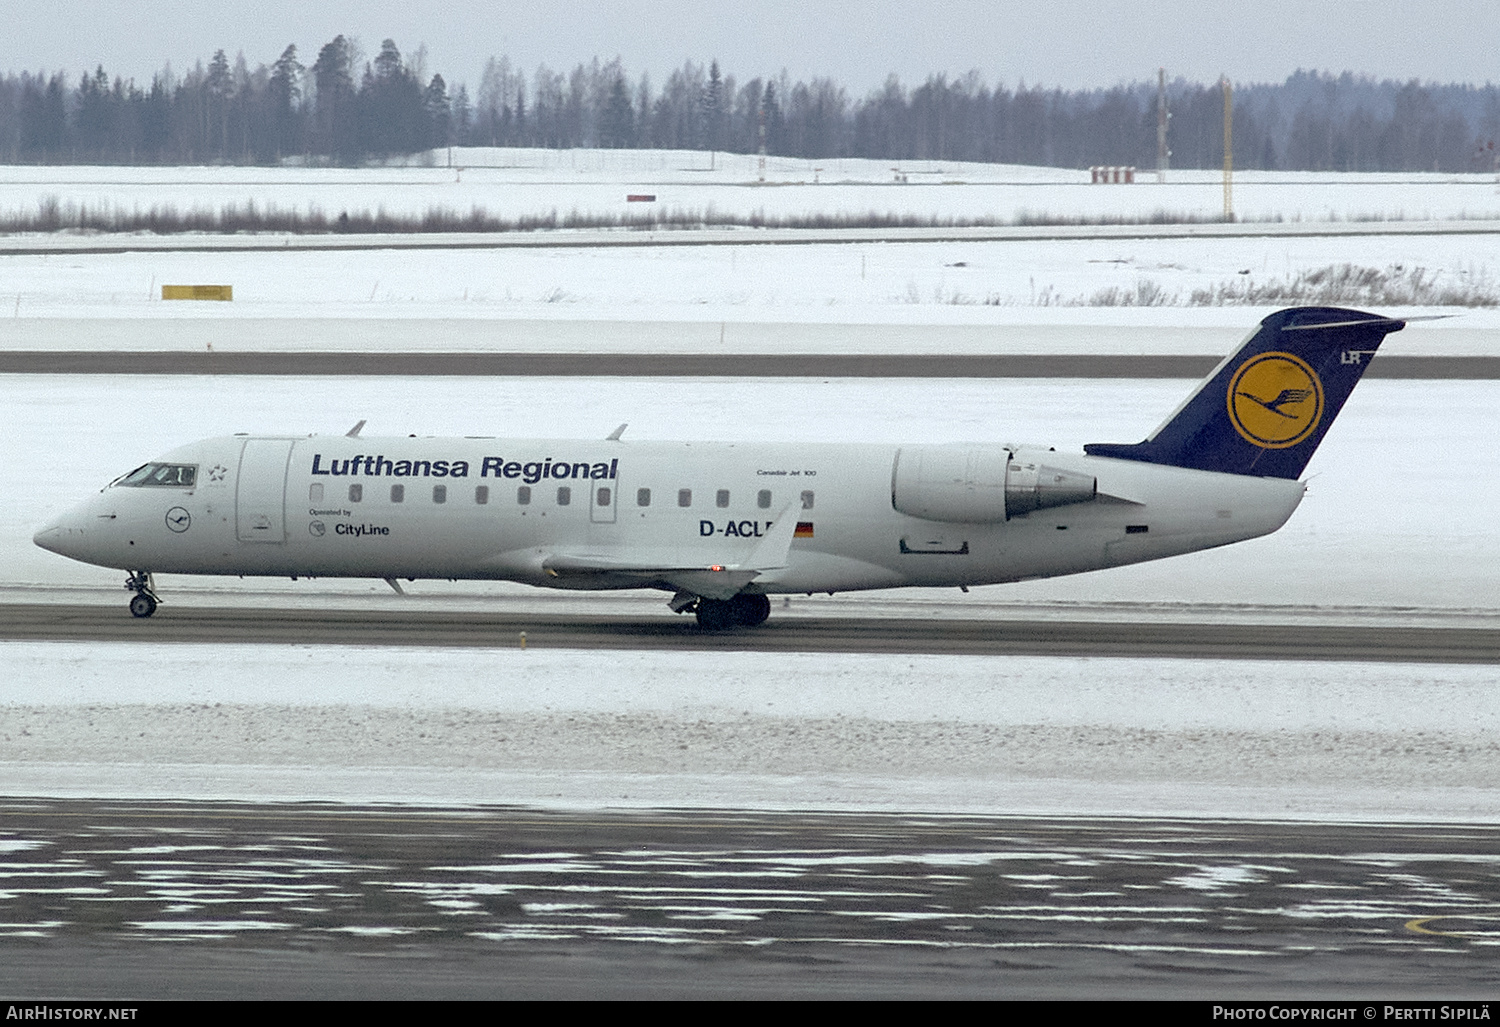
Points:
(143, 603)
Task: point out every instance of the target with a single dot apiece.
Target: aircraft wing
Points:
(712, 578)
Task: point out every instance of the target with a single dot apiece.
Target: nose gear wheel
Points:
(143, 603)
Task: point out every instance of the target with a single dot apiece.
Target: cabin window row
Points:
(721, 498)
(315, 494)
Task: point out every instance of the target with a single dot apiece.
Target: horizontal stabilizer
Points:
(1395, 323)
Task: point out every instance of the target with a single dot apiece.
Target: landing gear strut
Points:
(745, 610)
(143, 603)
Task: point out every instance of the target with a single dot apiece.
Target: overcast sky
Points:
(1067, 43)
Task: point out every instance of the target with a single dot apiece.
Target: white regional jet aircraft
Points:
(722, 526)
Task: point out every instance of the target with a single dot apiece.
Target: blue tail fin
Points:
(1264, 410)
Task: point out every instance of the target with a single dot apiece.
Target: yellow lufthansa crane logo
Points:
(1275, 400)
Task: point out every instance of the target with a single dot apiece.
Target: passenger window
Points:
(807, 500)
(604, 498)
(356, 493)
(721, 499)
(523, 495)
(315, 492)
(440, 493)
(398, 493)
(763, 499)
(564, 495)
(684, 497)
(642, 497)
(481, 494)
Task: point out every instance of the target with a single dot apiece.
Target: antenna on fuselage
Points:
(353, 433)
(613, 436)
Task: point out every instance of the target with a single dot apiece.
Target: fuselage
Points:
(607, 514)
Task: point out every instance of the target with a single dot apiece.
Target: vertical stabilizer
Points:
(1264, 410)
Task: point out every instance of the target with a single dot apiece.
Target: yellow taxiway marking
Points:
(1418, 927)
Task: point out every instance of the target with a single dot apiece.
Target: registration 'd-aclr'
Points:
(721, 527)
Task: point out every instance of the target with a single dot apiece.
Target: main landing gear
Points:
(143, 603)
(745, 610)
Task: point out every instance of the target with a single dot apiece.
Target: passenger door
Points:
(260, 490)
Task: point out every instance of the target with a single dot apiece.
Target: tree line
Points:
(344, 109)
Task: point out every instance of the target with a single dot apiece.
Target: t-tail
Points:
(1264, 410)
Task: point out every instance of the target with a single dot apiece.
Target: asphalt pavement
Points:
(1146, 638)
(162, 900)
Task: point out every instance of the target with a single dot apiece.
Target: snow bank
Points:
(778, 730)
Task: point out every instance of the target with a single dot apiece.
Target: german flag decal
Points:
(804, 530)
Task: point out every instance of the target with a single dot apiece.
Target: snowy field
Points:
(987, 296)
(1400, 513)
(970, 285)
(514, 183)
(768, 730)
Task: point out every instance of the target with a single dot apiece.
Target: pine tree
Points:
(713, 109)
(390, 106)
(43, 118)
(285, 89)
(333, 81)
(775, 121)
(617, 129)
(220, 88)
(437, 113)
(463, 115)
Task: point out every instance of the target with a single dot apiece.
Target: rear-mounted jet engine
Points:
(980, 484)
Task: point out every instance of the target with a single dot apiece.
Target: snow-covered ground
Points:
(767, 730)
(1400, 512)
(518, 183)
(959, 284)
(989, 290)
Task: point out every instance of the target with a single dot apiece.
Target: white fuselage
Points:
(610, 514)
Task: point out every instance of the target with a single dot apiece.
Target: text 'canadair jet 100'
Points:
(724, 526)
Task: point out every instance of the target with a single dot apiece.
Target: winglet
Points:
(774, 550)
(614, 436)
(353, 433)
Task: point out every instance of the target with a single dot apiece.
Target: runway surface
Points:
(787, 634)
(178, 900)
(679, 365)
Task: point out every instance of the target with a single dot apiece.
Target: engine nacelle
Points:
(980, 485)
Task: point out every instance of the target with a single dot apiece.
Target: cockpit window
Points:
(181, 476)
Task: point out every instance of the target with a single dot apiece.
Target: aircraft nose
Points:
(49, 536)
(63, 535)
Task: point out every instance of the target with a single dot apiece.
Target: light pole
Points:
(1228, 148)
